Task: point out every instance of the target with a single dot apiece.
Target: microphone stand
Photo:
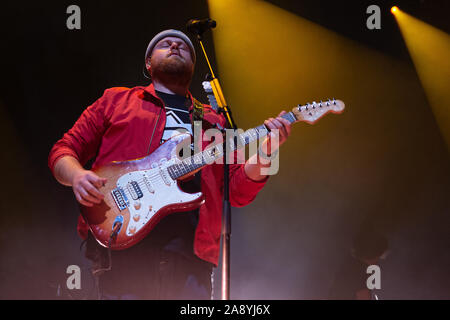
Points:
(226, 208)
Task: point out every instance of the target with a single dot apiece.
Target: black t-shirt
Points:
(177, 114)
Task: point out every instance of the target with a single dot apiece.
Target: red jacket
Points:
(118, 127)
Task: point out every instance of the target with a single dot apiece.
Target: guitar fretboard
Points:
(214, 152)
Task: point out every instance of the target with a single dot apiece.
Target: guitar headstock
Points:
(311, 112)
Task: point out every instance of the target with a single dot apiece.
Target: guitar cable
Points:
(95, 279)
(113, 234)
(97, 272)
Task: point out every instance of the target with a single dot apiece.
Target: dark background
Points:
(281, 249)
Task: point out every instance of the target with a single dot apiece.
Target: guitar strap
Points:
(153, 133)
(197, 113)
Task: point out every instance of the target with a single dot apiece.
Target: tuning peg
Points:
(206, 86)
(320, 104)
(334, 101)
(314, 104)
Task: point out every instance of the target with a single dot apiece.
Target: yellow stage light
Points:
(394, 9)
(429, 48)
(268, 58)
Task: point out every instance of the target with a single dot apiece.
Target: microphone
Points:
(200, 26)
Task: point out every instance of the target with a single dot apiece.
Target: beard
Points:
(172, 69)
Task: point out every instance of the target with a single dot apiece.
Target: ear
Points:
(147, 65)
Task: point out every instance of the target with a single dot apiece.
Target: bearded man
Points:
(176, 259)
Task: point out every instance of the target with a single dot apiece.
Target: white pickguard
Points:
(158, 190)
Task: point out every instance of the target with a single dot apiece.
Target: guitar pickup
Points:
(135, 190)
(165, 178)
(149, 185)
(120, 198)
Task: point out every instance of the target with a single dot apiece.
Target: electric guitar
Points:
(139, 193)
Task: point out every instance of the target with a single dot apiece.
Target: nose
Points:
(174, 45)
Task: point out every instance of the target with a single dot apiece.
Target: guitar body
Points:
(137, 195)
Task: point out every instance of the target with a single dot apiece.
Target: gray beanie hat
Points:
(170, 33)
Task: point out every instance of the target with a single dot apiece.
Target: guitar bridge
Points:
(120, 198)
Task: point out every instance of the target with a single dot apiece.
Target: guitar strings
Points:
(157, 177)
(205, 155)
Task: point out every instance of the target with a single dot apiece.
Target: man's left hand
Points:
(284, 129)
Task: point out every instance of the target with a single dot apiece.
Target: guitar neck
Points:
(215, 152)
(308, 113)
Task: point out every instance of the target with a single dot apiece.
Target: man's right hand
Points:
(86, 185)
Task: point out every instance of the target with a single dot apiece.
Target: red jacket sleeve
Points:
(83, 139)
(243, 190)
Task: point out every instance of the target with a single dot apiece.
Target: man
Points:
(175, 260)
